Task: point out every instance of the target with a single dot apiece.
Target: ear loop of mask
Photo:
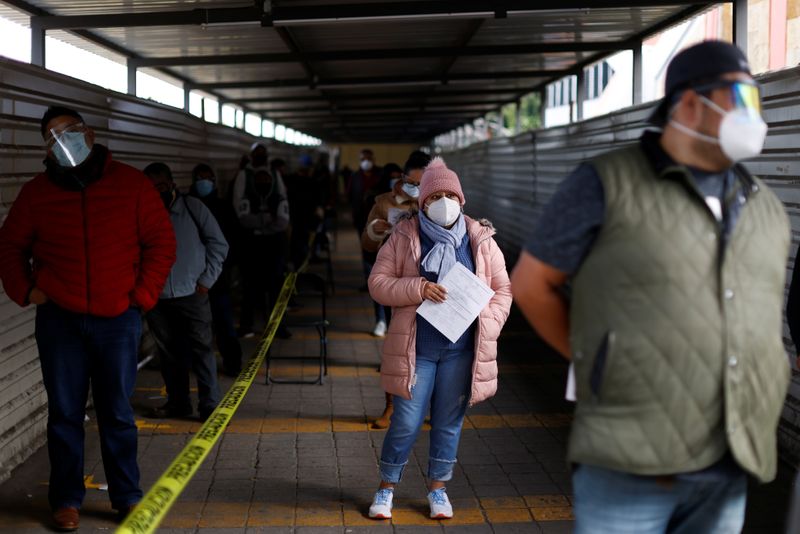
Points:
(692, 133)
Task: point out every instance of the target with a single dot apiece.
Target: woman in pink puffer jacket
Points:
(420, 366)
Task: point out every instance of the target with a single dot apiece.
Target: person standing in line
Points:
(420, 366)
(263, 212)
(304, 208)
(676, 257)
(390, 175)
(181, 321)
(358, 184)
(403, 197)
(90, 245)
(204, 188)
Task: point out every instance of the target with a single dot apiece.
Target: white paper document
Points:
(570, 393)
(394, 215)
(467, 295)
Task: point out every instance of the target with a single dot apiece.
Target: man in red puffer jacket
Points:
(88, 242)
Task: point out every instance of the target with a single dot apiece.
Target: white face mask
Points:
(741, 133)
(411, 190)
(366, 165)
(444, 211)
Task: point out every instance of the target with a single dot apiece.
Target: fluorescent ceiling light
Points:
(222, 25)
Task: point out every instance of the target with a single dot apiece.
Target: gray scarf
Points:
(442, 257)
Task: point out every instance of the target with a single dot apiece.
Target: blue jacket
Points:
(201, 248)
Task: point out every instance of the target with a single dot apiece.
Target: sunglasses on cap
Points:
(743, 95)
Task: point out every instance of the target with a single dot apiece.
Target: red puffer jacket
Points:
(98, 251)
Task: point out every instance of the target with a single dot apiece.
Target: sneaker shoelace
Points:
(439, 496)
(382, 497)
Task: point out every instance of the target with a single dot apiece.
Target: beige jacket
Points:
(380, 210)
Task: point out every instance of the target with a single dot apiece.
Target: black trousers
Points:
(181, 328)
(263, 263)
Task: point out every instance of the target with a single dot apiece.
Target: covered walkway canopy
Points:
(368, 70)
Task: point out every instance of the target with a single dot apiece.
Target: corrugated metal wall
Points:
(523, 172)
(138, 133)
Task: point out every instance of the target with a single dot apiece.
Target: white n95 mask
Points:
(444, 211)
(742, 131)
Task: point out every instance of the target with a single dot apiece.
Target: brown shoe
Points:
(385, 418)
(66, 519)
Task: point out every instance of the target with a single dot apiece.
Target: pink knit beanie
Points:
(437, 177)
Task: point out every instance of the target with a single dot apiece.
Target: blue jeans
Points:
(443, 381)
(612, 501)
(75, 349)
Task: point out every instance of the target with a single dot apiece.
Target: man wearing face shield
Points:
(90, 244)
(676, 257)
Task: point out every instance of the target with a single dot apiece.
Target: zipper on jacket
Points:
(84, 209)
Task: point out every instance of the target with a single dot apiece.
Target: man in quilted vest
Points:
(676, 259)
(89, 243)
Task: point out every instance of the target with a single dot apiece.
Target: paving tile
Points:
(508, 515)
(518, 528)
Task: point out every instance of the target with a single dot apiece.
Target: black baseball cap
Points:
(699, 64)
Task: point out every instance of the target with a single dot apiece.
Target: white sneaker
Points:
(440, 504)
(382, 504)
(380, 329)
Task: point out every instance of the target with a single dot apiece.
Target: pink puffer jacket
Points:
(396, 281)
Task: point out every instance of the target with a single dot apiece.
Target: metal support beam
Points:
(333, 83)
(37, 44)
(291, 43)
(288, 15)
(740, 24)
(385, 53)
(131, 78)
(399, 105)
(200, 16)
(467, 114)
(186, 98)
(542, 107)
(580, 98)
(363, 97)
(420, 10)
(637, 74)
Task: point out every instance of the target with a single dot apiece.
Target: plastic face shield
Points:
(744, 95)
(68, 144)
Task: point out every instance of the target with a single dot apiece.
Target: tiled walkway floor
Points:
(304, 458)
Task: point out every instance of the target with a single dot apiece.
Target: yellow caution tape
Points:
(149, 513)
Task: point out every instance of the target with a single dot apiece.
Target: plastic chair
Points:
(312, 286)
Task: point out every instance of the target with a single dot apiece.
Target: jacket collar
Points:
(80, 177)
(664, 165)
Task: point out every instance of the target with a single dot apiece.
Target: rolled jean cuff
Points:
(441, 470)
(392, 472)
